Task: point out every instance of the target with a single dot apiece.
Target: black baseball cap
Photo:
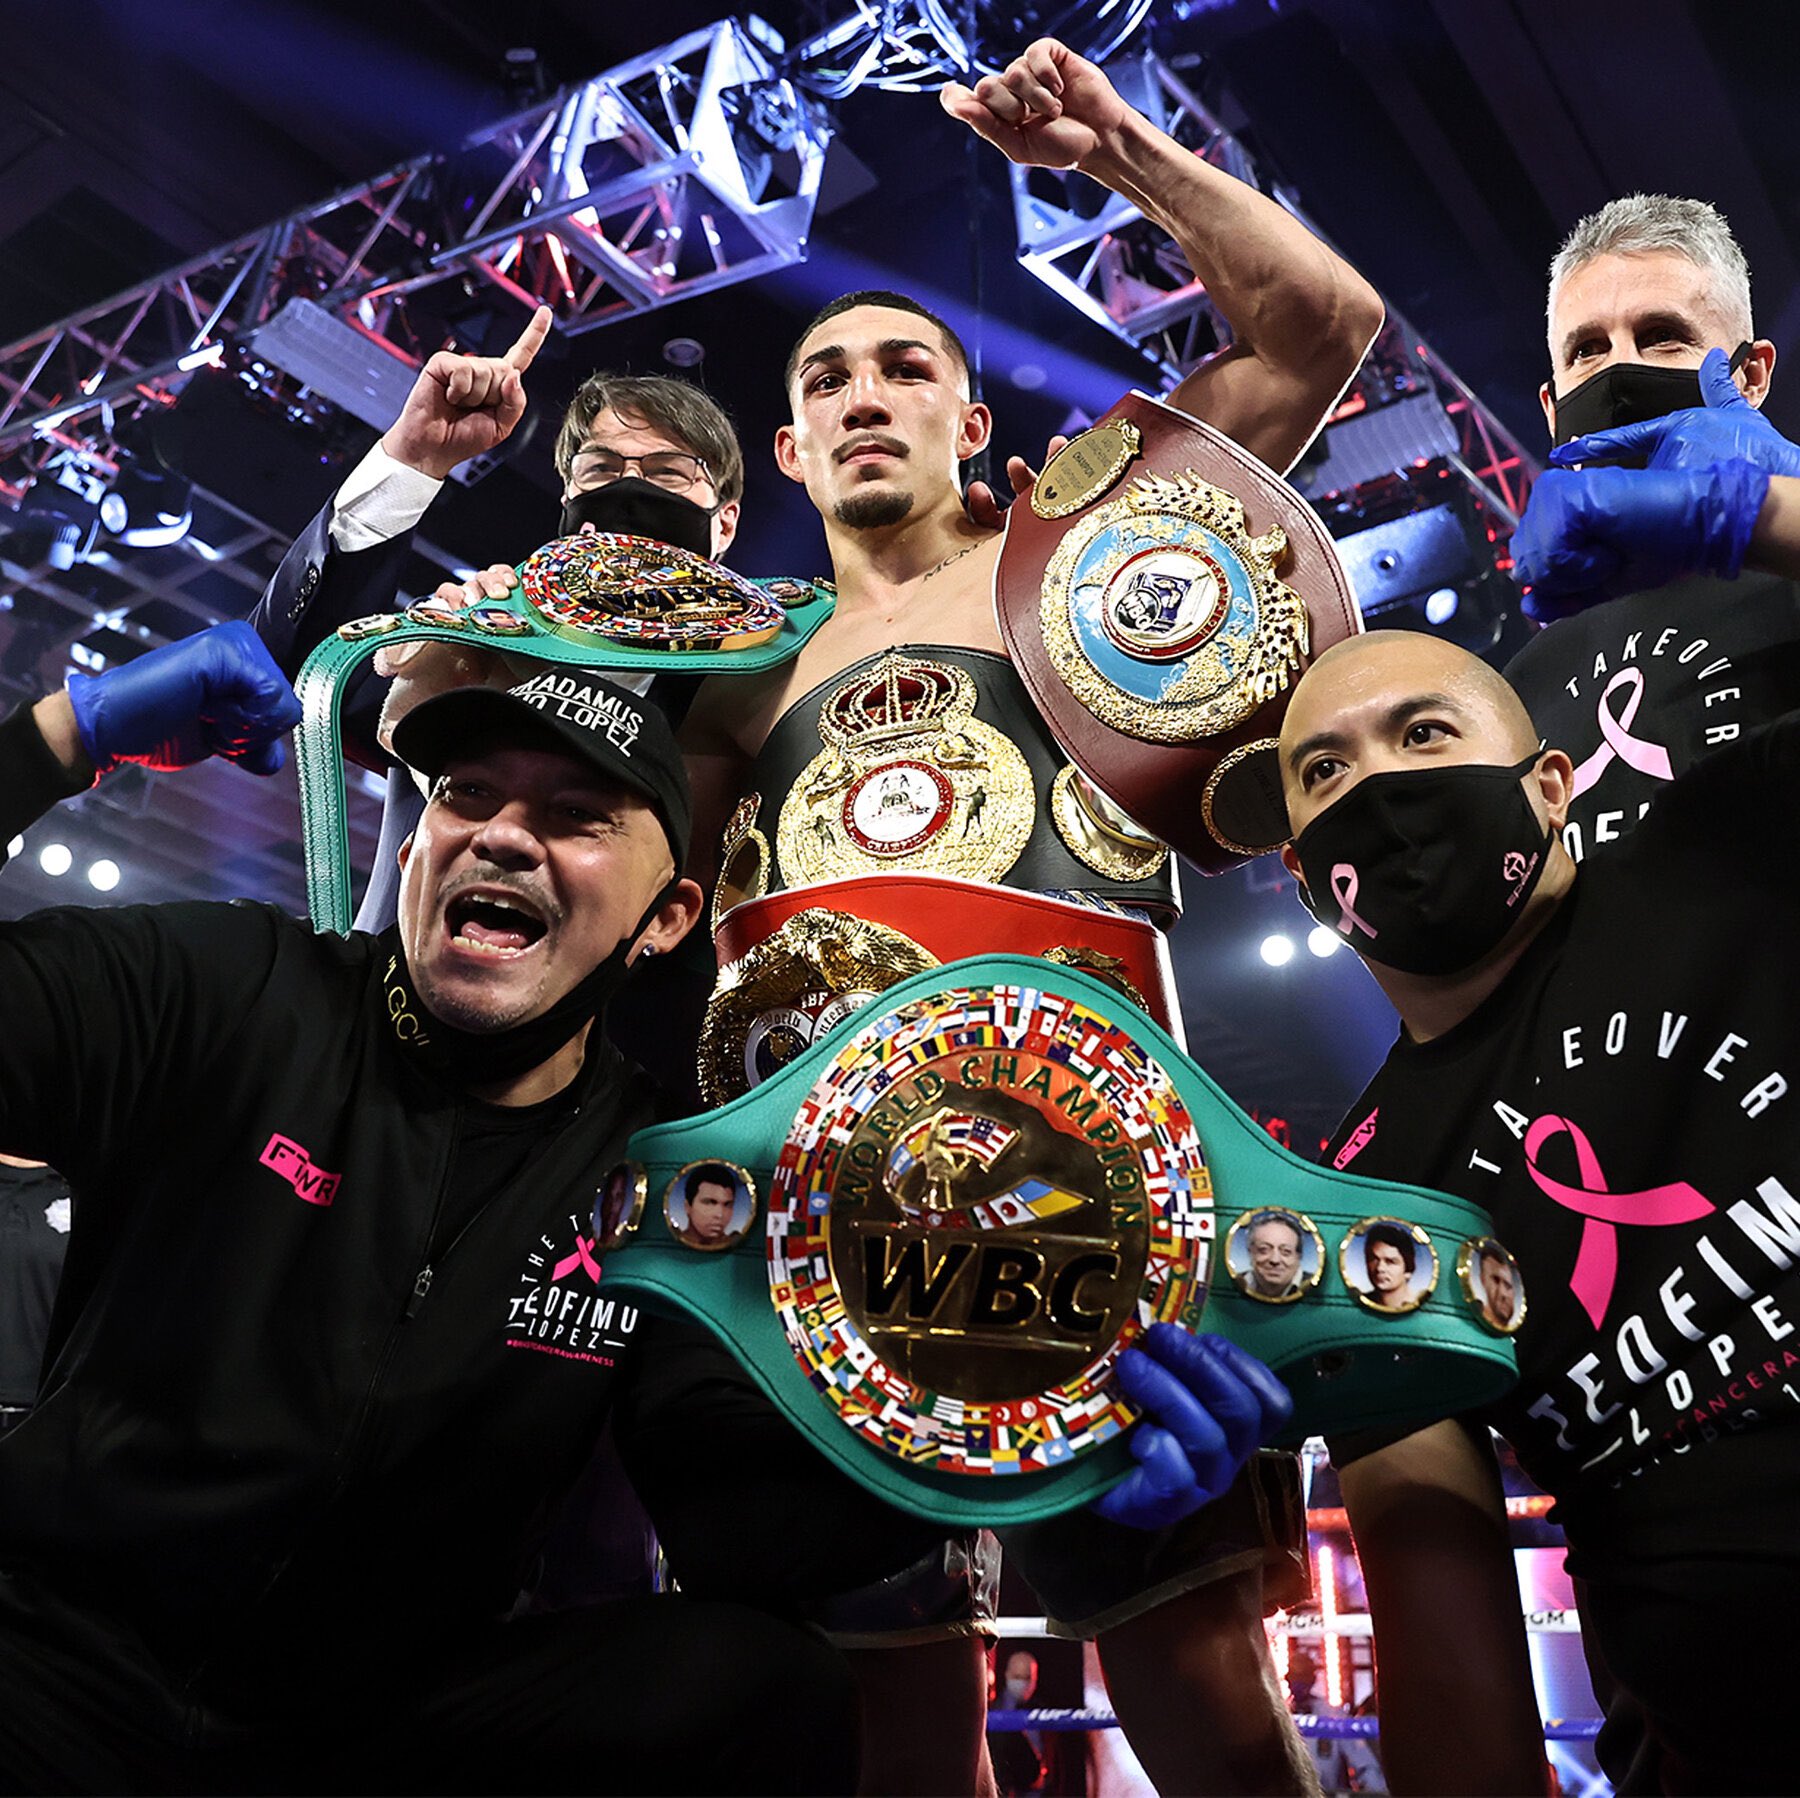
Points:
(622, 735)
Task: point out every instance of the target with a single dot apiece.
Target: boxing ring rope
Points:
(1556, 1729)
(1310, 1623)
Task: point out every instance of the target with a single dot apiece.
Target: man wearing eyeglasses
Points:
(649, 454)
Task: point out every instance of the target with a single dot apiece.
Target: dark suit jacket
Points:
(317, 588)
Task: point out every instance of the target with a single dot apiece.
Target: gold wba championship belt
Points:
(909, 810)
(908, 776)
(1161, 592)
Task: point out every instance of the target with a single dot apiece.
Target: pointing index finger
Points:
(531, 340)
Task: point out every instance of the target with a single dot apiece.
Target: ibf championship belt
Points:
(794, 964)
(1161, 592)
(930, 1237)
(621, 604)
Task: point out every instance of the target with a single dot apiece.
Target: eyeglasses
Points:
(674, 470)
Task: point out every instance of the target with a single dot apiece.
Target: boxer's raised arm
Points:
(1301, 317)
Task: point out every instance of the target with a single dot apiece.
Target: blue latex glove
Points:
(1208, 1406)
(1594, 533)
(215, 693)
(1727, 428)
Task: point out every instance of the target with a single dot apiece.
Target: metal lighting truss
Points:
(916, 46)
(689, 168)
(1100, 254)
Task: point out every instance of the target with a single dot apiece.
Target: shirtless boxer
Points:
(882, 420)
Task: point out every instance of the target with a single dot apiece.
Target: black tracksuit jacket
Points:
(264, 1431)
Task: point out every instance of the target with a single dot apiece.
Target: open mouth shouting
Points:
(494, 921)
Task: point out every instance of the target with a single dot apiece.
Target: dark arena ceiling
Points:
(1443, 145)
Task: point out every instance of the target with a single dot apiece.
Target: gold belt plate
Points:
(1165, 617)
(987, 1195)
(909, 781)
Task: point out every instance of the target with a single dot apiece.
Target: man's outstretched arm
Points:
(215, 693)
(1301, 317)
(350, 560)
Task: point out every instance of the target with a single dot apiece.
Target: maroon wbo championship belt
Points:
(1160, 592)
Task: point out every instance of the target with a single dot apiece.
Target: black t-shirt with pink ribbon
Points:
(1627, 1107)
(1638, 689)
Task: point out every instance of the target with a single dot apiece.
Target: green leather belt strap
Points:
(512, 626)
(1348, 1363)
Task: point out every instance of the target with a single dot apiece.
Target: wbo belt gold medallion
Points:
(1085, 467)
(986, 1196)
(1165, 617)
(908, 777)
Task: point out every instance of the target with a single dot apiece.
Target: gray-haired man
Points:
(1661, 491)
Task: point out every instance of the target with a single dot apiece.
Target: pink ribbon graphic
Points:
(1343, 889)
(1597, 1260)
(581, 1258)
(1617, 742)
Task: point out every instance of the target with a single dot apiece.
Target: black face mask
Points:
(1427, 869)
(1628, 393)
(634, 507)
(475, 1057)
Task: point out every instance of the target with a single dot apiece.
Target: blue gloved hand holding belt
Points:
(1208, 1406)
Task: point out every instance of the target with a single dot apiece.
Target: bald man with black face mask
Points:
(1605, 1056)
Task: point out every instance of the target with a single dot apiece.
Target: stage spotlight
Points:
(148, 507)
(15, 848)
(56, 858)
(1323, 942)
(1440, 607)
(768, 120)
(103, 875)
(57, 520)
(1278, 950)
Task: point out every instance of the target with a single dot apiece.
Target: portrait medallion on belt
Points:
(908, 779)
(986, 1197)
(1165, 617)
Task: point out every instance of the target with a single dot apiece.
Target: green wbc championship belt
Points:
(626, 605)
(931, 1235)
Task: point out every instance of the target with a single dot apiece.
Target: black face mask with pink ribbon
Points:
(1425, 869)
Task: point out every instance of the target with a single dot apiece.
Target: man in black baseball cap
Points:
(596, 719)
(331, 1338)
(548, 859)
